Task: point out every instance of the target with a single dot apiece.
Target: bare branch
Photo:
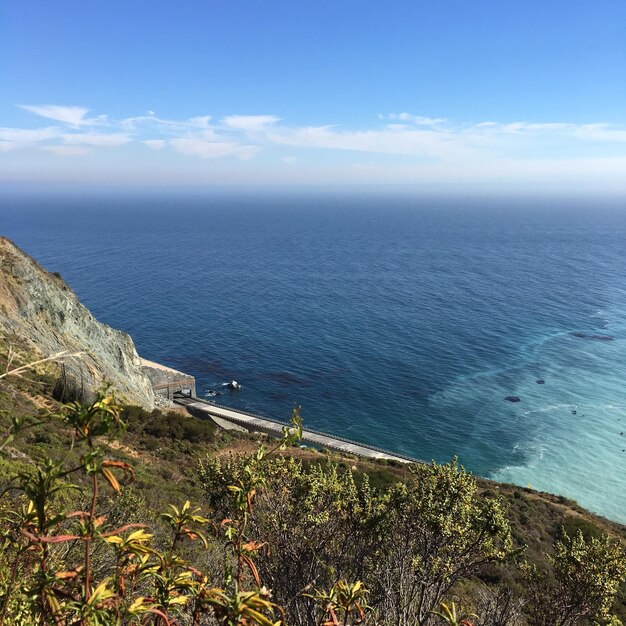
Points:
(66, 354)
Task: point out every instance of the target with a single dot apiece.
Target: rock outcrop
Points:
(40, 308)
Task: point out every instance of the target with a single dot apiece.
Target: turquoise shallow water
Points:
(575, 421)
(396, 321)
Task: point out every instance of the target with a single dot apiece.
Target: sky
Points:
(445, 94)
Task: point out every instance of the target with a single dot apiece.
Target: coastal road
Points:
(257, 423)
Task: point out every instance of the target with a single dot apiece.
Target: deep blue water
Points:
(396, 321)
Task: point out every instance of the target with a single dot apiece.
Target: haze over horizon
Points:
(487, 96)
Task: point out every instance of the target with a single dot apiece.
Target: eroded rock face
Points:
(38, 306)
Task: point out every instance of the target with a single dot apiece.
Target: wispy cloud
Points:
(601, 132)
(155, 144)
(250, 123)
(97, 139)
(391, 139)
(16, 138)
(26, 135)
(72, 115)
(519, 128)
(165, 126)
(396, 144)
(199, 122)
(418, 120)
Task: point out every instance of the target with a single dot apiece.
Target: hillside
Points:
(39, 308)
(310, 519)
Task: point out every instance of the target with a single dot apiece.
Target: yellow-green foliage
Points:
(586, 574)
(275, 540)
(82, 567)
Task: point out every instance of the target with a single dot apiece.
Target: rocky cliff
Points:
(38, 307)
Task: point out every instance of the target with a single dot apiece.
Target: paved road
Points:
(272, 427)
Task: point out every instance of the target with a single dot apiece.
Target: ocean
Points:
(396, 320)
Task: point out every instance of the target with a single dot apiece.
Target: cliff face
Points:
(39, 307)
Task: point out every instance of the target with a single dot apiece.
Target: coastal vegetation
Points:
(115, 515)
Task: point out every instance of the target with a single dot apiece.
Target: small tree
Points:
(317, 525)
(586, 577)
(48, 573)
(439, 533)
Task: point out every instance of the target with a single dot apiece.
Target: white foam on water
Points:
(568, 428)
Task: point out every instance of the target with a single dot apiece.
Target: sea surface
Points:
(394, 320)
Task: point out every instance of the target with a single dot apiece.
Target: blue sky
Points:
(478, 95)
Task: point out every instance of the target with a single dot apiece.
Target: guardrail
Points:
(188, 382)
(281, 425)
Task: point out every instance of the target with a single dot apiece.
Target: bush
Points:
(169, 425)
